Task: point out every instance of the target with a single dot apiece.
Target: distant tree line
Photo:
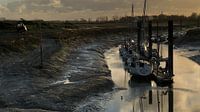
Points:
(161, 17)
(193, 19)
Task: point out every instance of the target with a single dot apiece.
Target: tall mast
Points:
(132, 12)
(145, 7)
(143, 24)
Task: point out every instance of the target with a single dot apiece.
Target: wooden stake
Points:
(170, 48)
(41, 48)
(171, 99)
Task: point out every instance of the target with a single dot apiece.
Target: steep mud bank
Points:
(189, 44)
(71, 73)
(191, 38)
(191, 52)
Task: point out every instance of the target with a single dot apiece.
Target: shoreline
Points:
(191, 52)
(190, 43)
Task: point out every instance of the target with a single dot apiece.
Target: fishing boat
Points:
(140, 69)
(133, 54)
(126, 50)
(136, 66)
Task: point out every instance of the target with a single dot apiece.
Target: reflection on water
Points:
(182, 96)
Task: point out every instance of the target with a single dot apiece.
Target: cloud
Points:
(59, 9)
(3, 9)
(66, 5)
(56, 3)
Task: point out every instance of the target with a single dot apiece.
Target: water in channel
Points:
(182, 96)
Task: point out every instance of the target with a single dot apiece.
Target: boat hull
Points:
(142, 78)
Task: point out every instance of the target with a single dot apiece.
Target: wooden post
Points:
(158, 100)
(150, 39)
(170, 99)
(41, 47)
(150, 97)
(139, 26)
(170, 48)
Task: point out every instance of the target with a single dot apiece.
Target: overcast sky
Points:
(75, 9)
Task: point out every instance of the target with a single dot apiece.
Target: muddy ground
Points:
(190, 44)
(73, 69)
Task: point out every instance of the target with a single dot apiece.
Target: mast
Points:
(145, 7)
(132, 15)
(143, 39)
(144, 13)
(132, 11)
(139, 27)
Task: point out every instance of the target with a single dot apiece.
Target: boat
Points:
(126, 50)
(137, 67)
(140, 69)
(133, 55)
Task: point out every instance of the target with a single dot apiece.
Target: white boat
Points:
(139, 68)
(136, 67)
(133, 53)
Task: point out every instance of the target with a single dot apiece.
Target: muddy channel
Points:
(129, 95)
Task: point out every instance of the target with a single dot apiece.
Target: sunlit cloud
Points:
(73, 9)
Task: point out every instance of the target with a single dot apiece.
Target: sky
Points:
(76, 9)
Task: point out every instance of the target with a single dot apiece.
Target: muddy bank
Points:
(74, 68)
(196, 58)
(190, 44)
(190, 52)
(191, 38)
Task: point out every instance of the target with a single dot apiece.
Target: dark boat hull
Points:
(142, 78)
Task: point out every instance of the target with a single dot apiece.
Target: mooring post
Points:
(41, 47)
(171, 98)
(139, 26)
(150, 97)
(150, 39)
(170, 48)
